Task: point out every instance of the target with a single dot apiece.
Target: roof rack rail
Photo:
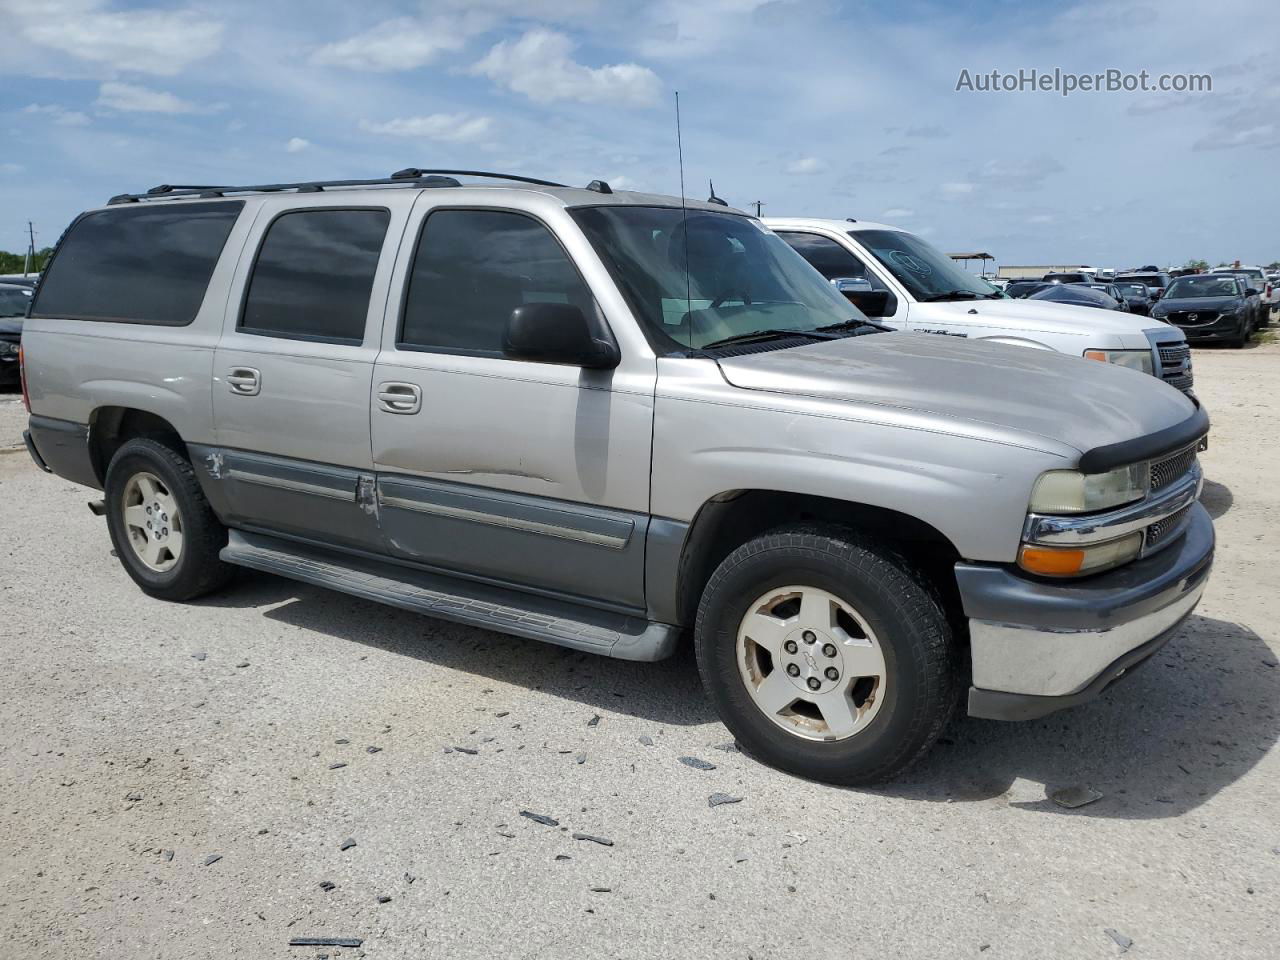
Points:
(411, 176)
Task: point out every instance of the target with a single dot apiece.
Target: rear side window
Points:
(471, 269)
(141, 264)
(314, 274)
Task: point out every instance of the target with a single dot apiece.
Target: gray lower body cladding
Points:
(63, 448)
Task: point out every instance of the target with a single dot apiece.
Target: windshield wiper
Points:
(767, 334)
(855, 328)
(951, 295)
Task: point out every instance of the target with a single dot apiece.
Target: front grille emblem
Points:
(1193, 317)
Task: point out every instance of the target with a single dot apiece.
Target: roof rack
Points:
(410, 176)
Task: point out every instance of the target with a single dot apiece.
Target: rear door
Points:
(529, 474)
(293, 370)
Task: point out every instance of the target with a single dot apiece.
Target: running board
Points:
(462, 601)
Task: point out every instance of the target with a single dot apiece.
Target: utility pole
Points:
(759, 204)
(31, 250)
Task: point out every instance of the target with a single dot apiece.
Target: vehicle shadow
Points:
(1217, 498)
(667, 692)
(1194, 719)
(1191, 721)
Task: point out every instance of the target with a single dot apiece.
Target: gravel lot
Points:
(270, 724)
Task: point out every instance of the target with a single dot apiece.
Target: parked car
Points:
(1079, 295)
(905, 283)
(1111, 290)
(1155, 281)
(1265, 291)
(1138, 296)
(19, 279)
(1020, 289)
(605, 419)
(1210, 306)
(13, 308)
(1068, 278)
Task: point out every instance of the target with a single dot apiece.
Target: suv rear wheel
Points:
(826, 655)
(163, 529)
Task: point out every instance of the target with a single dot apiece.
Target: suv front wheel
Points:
(826, 655)
(162, 527)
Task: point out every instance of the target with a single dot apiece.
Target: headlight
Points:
(1133, 359)
(1077, 561)
(1069, 491)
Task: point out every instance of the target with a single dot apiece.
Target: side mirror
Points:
(1156, 293)
(873, 303)
(1251, 292)
(852, 284)
(557, 333)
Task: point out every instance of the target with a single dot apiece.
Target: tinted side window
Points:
(472, 268)
(314, 274)
(829, 258)
(145, 263)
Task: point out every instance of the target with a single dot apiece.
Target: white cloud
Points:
(898, 213)
(131, 98)
(296, 145)
(1262, 135)
(400, 44)
(447, 127)
(57, 114)
(806, 165)
(11, 168)
(539, 65)
(957, 188)
(143, 41)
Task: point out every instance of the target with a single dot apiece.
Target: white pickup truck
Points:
(905, 283)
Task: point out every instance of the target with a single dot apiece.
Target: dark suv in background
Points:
(1210, 306)
(13, 309)
(1156, 281)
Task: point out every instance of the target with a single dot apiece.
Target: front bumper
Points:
(1226, 327)
(1039, 646)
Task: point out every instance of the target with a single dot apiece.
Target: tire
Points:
(149, 477)
(1241, 339)
(857, 587)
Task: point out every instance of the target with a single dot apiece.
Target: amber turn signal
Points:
(1050, 562)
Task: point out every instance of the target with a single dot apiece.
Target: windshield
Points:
(1151, 280)
(694, 278)
(1204, 285)
(1242, 272)
(928, 273)
(1133, 289)
(13, 303)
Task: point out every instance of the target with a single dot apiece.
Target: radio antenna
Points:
(684, 223)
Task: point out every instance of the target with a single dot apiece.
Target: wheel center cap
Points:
(812, 660)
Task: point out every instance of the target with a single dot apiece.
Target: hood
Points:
(1198, 304)
(1038, 315)
(1082, 403)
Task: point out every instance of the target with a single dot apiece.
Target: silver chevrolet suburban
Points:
(608, 420)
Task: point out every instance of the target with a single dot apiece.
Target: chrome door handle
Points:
(245, 381)
(399, 397)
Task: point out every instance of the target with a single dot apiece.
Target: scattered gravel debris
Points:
(1123, 942)
(581, 758)
(346, 844)
(563, 856)
(372, 749)
(212, 859)
(647, 741)
(384, 899)
(604, 842)
(327, 885)
(697, 764)
(168, 855)
(716, 799)
(594, 721)
(342, 741)
(199, 656)
(1073, 797)
(502, 713)
(602, 889)
(409, 878)
(241, 666)
(134, 797)
(540, 818)
(467, 750)
(336, 766)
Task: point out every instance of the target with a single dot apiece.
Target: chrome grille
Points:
(1190, 319)
(1175, 365)
(1166, 471)
(1162, 530)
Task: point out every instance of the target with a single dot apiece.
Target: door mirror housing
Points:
(852, 284)
(859, 292)
(1251, 292)
(557, 333)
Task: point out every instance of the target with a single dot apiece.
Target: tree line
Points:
(14, 262)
